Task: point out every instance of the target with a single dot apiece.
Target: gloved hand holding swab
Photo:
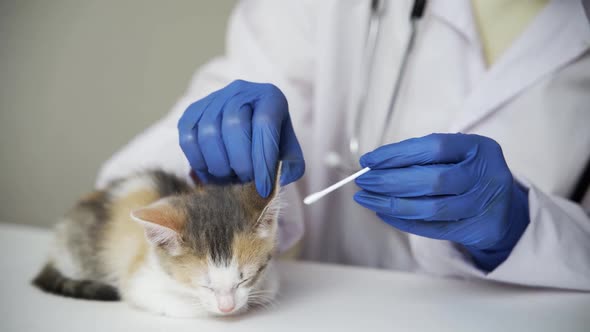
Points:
(318, 195)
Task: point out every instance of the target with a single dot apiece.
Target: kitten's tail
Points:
(52, 281)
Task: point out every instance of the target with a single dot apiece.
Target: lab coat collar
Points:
(559, 34)
(458, 15)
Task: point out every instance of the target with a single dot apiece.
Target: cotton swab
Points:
(317, 196)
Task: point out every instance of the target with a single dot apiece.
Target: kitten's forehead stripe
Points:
(219, 221)
(214, 217)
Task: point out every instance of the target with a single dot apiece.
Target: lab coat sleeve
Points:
(554, 250)
(267, 41)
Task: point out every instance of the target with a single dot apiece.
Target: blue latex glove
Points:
(452, 187)
(239, 133)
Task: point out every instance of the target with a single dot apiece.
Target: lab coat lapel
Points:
(558, 35)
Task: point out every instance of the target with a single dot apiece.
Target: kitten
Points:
(166, 247)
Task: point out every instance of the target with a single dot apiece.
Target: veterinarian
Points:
(497, 194)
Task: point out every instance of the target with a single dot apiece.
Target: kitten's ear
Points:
(266, 209)
(267, 223)
(162, 223)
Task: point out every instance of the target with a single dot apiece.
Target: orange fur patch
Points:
(251, 249)
(125, 246)
(183, 268)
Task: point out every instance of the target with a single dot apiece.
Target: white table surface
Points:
(313, 297)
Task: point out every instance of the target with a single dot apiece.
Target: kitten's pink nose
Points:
(226, 310)
(226, 303)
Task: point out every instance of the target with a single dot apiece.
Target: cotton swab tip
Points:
(312, 198)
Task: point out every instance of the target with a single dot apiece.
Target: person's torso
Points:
(534, 101)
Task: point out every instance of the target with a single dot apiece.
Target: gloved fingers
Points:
(187, 133)
(430, 149)
(416, 181)
(376, 202)
(207, 178)
(193, 113)
(441, 230)
(434, 230)
(265, 156)
(435, 208)
(209, 135)
(291, 155)
(236, 130)
(266, 133)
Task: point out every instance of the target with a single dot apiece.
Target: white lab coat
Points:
(535, 101)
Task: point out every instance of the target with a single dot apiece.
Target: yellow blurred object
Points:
(293, 253)
(500, 22)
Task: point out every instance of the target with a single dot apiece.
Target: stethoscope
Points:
(378, 8)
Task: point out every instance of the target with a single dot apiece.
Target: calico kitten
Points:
(166, 247)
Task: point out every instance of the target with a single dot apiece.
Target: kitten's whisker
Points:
(269, 296)
(261, 305)
(261, 299)
(259, 292)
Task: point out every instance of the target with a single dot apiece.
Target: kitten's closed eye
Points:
(243, 281)
(260, 269)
